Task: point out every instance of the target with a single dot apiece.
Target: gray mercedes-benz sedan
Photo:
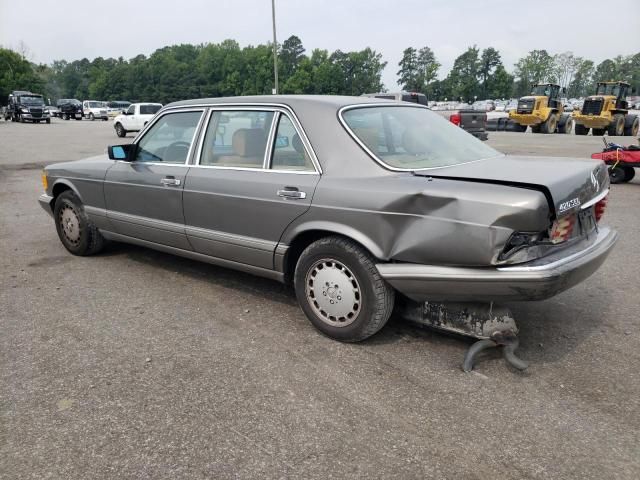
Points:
(350, 199)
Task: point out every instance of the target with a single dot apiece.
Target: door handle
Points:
(292, 194)
(170, 181)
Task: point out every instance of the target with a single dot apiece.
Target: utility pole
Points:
(275, 47)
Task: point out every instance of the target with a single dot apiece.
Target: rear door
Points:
(144, 196)
(255, 174)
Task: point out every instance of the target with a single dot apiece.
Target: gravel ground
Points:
(137, 364)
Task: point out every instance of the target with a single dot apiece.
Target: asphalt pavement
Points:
(138, 364)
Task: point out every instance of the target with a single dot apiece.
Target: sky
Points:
(74, 29)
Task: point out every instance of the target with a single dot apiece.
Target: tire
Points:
(629, 173)
(48, 120)
(78, 118)
(76, 232)
(550, 125)
(105, 119)
(598, 132)
(120, 131)
(631, 125)
(565, 125)
(66, 116)
(581, 129)
(333, 261)
(616, 127)
(535, 128)
(617, 175)
(91, 117)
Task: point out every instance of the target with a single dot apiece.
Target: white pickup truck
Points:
(135, 117)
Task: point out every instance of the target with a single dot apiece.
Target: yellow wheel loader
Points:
(542, 111)
(607, 111)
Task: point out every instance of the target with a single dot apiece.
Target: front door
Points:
(253, 178)
(144, 196)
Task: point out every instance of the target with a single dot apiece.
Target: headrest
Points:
(248, 142)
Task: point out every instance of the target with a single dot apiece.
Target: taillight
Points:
(562, 228)
(455, 119)
(599, 208)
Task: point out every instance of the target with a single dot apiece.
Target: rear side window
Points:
(236, 138)
(169, 139)
(289, 152)
(149, 109)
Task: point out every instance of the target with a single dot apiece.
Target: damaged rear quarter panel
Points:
(424, 220)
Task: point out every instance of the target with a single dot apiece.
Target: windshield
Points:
(541, 90)
(95, 104)
(118, 104)
(608, 89)
(149, 109)
(31, 100)
(412, 138)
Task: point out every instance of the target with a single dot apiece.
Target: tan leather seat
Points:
(248, 145)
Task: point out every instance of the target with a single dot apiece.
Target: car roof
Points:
(292, 101)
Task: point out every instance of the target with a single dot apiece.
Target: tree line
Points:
(225, 69)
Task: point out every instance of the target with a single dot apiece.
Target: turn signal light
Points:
(455, 119)
(562, 228)
(599, 208)
(45, 181)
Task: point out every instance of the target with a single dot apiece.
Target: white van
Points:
(93, 109)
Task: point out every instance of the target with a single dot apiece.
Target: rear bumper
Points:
(536, 280)
(45, 202)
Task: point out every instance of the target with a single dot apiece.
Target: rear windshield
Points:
(413, 138)
(149, 109)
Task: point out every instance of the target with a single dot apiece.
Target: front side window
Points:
(132, 110)
(413, 138)
(149, 109)
(288, 150)
(236, 138)
(169, 139)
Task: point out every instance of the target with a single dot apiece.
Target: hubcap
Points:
(333, 292)
(70, 225)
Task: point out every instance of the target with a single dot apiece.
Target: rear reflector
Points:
(600, 207)
(455, 119)
(562, 228)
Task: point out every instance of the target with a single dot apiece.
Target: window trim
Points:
(155, 120)
(272, 149)
(277, 109)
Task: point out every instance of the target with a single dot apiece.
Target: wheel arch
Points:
(62, 185)
(304, 235)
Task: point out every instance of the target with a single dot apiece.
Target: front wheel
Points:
(341, 291)
(91, 117)
(76, 232)
(550, 125)
(120, 131)
(581, 129)
(598, 132)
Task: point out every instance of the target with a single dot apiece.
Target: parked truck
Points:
(24, 106)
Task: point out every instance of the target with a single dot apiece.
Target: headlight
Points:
(24, 110)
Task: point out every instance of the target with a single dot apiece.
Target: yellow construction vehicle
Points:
(607, 111)
(542, 111)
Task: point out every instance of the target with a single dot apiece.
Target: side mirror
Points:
(120, 152)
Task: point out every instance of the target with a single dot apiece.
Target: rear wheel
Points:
(76, 232)
(631, 125)
(48, 120)
(581, 129)
(597, 132)
(91, 117)
(535, 128)
(616, 127)
(550, 125)
(629, 173)
(617, 175)
(120, 131)
(340, 290)
(565, 125)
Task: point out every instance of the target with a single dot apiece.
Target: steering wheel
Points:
(175, 145)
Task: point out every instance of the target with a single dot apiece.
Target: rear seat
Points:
(248, 145)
